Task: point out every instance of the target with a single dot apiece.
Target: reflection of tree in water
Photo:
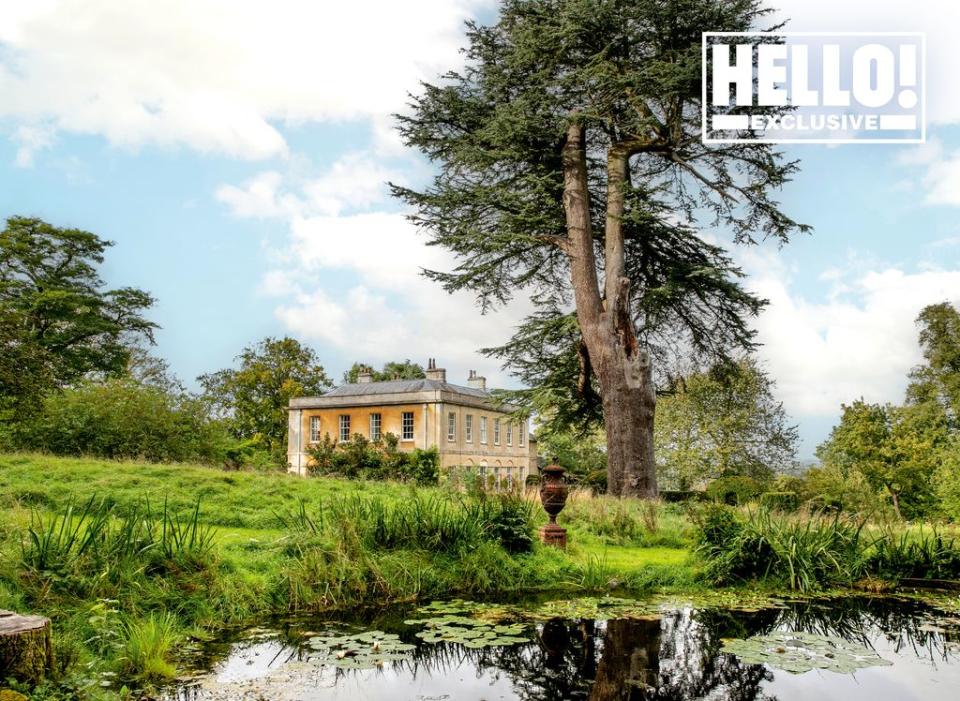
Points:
(677, 657)
(673, 657)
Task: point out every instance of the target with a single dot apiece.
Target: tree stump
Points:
(26, 647)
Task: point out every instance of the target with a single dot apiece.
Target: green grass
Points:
(129, 559)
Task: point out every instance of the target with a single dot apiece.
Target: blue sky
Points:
(237, 159)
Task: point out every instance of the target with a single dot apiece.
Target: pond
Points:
(848, 649)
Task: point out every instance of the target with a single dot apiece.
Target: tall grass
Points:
(802, 552)
(92, 533)
(435, 523)
(642, 523)
(805, 552)
(148, 647)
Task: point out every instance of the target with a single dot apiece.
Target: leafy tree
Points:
(938, 380)
(722, 423)
(394, 370)
(571, 167)
(25, 370)
(50, 285)
(897, 449)
(253, 399)
(582, 456)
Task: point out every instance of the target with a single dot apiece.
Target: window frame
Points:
(343, 422)
(452, 427)
(468, 428)
(403, 426)
(314, 429)
(378, 434)
(496, 431)
(510, 433)
(521, 438)
(483, 430)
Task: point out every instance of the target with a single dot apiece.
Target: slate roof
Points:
(361, 389)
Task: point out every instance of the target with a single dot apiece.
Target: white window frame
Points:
(452, 426)
(314, 429)
(404, 418)
(483, 430)
(522, 437)
(344, 424)
(496, 431)
(468, 428)
(510, 433)
(376, 426)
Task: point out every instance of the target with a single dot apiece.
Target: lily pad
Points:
(801, 652)
(597, 608)
(470, 632)
(359, 651)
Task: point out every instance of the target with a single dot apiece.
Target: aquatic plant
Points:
(359, 651)
(801, 652)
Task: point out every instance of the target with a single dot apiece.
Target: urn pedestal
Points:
(553, 495)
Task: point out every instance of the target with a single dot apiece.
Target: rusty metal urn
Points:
(553, 495)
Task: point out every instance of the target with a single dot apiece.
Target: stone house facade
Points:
(463, 422)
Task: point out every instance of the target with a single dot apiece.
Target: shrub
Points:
(923, 554)
(122, 418)
(383, 459)
(780, 501)
(734, 490)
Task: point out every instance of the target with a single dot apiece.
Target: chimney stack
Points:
(365, 376)
(435, 373)
(477, 381)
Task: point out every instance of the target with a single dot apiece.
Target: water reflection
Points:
(676, 655)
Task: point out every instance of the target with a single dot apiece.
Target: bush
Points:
(122, 418)
(383, 459)
(734, 490)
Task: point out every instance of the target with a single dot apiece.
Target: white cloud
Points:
(217, 75)
(31, 139)
(859, 343)
(387, 309)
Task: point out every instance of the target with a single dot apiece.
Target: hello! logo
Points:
(803, 87)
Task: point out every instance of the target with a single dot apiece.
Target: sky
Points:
(237, 155)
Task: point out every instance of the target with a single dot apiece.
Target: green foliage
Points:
(253, 399)
(735, 490)
(780, 501)
(720, 423)
(122, 418)
(580, 455)
(393, 370)
(897, 449)
(438, 523)
(838, 488)
(148, 647)
(50, 285)
(938, 380)
(803, 553)
(923, 553)
(383, 459)
(947, 480)
(61, 546)
(617, 521)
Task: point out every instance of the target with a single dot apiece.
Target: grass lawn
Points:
(266, 544)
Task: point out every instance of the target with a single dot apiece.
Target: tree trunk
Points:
(895, 496)
(26, 649)
(622, 368)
